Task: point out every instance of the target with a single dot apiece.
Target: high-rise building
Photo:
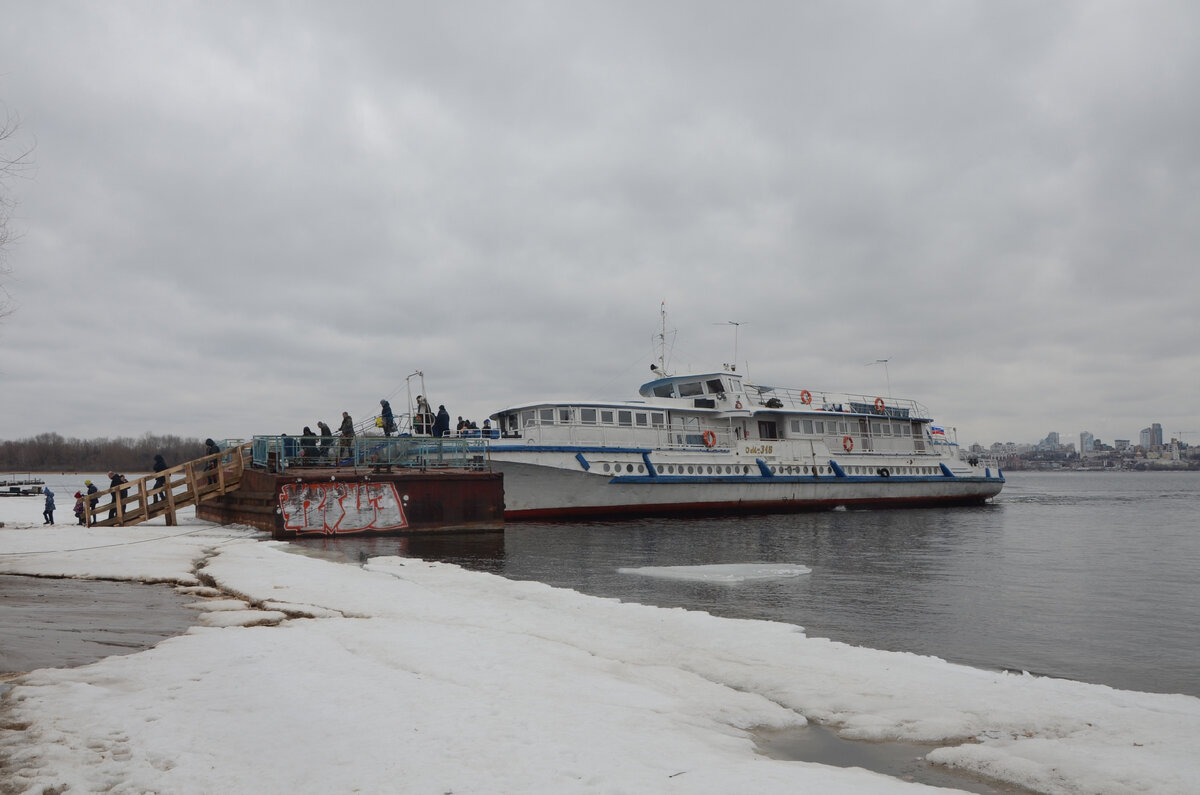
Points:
(1087, 442)
(1152, 436)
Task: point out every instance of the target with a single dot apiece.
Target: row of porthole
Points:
(893, 471)
(707, 469)
(693, 469)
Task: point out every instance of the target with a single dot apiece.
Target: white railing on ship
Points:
(575, 434)
(805, 400)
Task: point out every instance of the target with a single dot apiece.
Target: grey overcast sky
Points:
(243, 217)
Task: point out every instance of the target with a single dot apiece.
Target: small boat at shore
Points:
(714, 443)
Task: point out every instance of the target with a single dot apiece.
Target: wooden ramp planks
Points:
(187, 484)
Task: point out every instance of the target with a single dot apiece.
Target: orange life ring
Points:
(710, 439)
(847, 443)
(879, 405)
(805, 397)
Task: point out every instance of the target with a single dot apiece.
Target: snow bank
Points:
(405, 675)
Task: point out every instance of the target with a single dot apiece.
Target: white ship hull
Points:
(550, 485)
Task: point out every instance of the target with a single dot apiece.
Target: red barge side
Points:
(383, 488)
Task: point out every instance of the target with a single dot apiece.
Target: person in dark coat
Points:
(211, 448)
(346, 445)
(160, 464)
(389, 421)
(326, 440)
(308, 444)
(114, 480)
(48, 511)
(441, 425)
(91, 489)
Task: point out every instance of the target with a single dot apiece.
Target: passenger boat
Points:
(713, 443)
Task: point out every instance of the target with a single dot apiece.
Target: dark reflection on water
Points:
(1083, 576)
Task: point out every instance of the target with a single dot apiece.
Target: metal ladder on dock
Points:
(187, 484)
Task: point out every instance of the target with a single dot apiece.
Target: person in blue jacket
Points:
(48, 513)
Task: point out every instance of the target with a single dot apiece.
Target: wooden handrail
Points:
(186, 484)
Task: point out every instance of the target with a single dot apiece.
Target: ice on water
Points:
(722, 572)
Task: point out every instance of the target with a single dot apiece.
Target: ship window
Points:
(547, 416)
(808, 426)
(691, 388)
(664, 390)
(640, 469)
(587, 416)
(606, 416)
(691, 470)
(819, 427)
(564, 416)
(606, 467)
(642, 419)
(795, 426)
(527, 417)
(876, 428)
(714, 386)
(767, 430)
(625, 418)
(658, 419)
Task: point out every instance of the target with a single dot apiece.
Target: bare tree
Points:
(10, 165)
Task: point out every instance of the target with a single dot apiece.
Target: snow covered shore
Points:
(304, 675)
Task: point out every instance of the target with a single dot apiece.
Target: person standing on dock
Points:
(441, 426)
(160, 464)
(389, 421)
(423, 419)
(79, 507)
(115, 480)
(91, 489)
(48, 512)
(346, 445)
(326, 440)
(211, 448)
(308, 444)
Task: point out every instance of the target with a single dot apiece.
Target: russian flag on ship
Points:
(937, 431)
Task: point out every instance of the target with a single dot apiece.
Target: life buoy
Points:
(847, 443)
(710, 439)
(737, 405)
(879, 405)
(805, 397)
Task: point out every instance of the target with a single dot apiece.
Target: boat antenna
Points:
(732, 365)
(886, 376)
(661, 368)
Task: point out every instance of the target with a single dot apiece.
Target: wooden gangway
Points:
(191, 483)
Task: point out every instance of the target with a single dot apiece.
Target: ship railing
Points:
(280, 453)
(806, 400)
(595, 435)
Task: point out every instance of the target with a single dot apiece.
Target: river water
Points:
(1086, 576)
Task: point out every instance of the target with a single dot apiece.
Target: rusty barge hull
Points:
(307, 502)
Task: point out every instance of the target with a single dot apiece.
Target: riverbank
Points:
(448, 680)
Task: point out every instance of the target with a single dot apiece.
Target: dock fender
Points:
(763, 468)
(649, 467)
(583, 462)
(837, 470)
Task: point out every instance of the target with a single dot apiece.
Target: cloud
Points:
(246, 217)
